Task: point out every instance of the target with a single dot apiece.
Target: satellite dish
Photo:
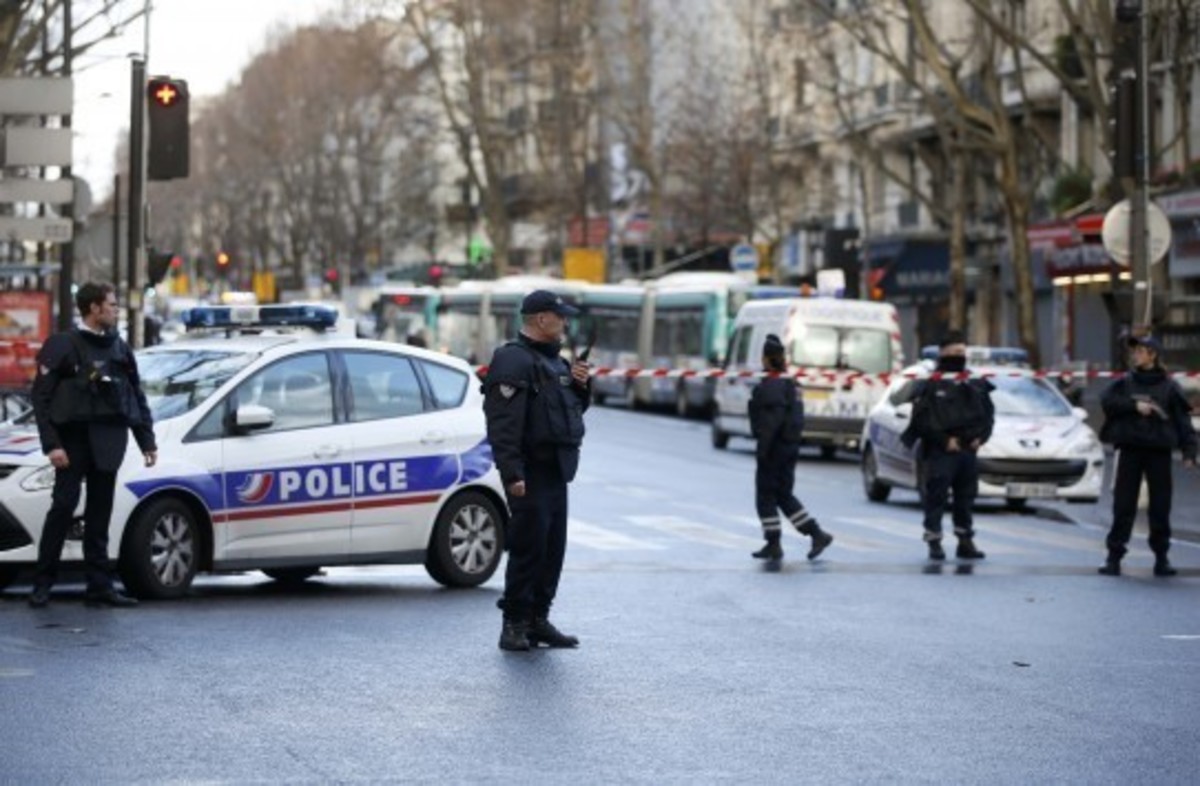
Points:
(1115, 232)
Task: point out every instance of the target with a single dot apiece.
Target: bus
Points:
(476, 317)
(681, 321)
(407, 314)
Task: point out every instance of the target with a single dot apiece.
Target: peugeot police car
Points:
(285, 445)
(1041, 448)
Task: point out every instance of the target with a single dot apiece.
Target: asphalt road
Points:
(696, 664)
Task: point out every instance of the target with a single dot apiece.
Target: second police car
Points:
(285, 446)
(1041, 447)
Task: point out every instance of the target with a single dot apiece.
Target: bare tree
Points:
(31, 34)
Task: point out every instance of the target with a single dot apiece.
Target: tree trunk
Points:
(1016, 209)
(958, 244)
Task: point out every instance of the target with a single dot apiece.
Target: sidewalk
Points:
(1185, 505)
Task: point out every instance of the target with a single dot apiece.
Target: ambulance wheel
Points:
(8, 574)
(829, 452)
(720, 439)
(467, 541)
(875, 490)
(292, 575)
(1016, 504)
(161, 550)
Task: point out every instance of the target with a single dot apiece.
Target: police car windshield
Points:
(175, 381)
(1027, 397)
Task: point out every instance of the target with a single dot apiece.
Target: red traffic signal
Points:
(222, 259)
(176, 262)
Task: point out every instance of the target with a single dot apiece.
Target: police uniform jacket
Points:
(1169, 428)
(774, 403)
(534, 409)
(948, 407)
(88, 391)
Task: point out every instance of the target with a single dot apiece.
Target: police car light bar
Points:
(319, 318)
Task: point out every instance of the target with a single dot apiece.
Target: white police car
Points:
(285, 446)
(1041, 448)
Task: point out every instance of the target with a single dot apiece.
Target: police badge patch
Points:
(508, 391)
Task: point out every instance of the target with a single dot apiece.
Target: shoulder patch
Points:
(508, 391)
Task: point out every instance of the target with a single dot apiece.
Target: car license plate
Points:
(1031, 490)
(816, 395)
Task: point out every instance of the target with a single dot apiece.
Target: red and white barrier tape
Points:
(850, 377)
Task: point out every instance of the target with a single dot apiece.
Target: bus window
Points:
(679, 332)
(616, 329)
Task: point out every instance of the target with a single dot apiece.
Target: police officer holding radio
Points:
(952, 418)
(534, 402)
(1146, 417)
(777, 422)
(86, 398)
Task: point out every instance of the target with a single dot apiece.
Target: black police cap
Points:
(540, 300)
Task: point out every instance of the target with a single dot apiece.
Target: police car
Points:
(1041, 448)
(285, 445)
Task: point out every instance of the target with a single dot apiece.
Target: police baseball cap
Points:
(1149, 342)
(540, 300)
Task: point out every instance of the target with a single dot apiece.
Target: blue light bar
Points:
(990, 356)
(222, 317)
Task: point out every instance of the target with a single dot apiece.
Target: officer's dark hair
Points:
(774, 354)
(92, 292)
(952, 337)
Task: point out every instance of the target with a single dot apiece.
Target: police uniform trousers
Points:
(774, 481)
(537, 537)
(92, 451)
(1133, 464)
(945, 473)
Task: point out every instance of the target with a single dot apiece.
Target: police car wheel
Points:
(8, 574)
(875, 490)
(292, 575)
(161, 551)
(467, 541)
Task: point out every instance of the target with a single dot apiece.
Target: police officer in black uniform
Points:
(534, 402)
(776, 420)
(1146, 417)
(86, 398)
(952, 417)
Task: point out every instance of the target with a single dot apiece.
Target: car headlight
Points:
(39, 480)
(1086, 445)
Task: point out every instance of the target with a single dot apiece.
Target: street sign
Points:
(50, 192)
(35, 230)
(36, 147)
(743, 258)
(36, 96)
(1115, 232)
(831, 282)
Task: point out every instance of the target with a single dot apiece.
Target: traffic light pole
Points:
(136, 210)
(66, 274)
(1139, 235)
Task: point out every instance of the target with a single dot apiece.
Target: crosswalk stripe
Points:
(910, 532)
(842, 539)
(591, 536)
(694, 531)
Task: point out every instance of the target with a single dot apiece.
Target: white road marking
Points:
(1182, 637)
(694, 531)
(581, 533)
(911, 531)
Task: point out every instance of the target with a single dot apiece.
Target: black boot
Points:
(39, 597)
(966, 549)
(820, 541)
(1111, 566)
(514, 636)
(936, 552)
(1162, 567)
(542, 631)
(771, 550)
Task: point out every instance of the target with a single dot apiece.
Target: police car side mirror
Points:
(250, 417)
(904, 411)
(1079, 412)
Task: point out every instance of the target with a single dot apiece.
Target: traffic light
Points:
(169, 128)
(1124, 124)
(222, 263)
(436, 272)
(157, 264)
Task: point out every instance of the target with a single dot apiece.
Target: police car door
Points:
(287, 485)
(404, 456)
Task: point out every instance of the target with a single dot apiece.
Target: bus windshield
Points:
(851, 349)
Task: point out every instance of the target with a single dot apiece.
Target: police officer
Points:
(1146, 417)
(534, 402)
(776, 420)
(86, 398)
(952, 417)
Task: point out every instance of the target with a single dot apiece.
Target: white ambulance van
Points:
(847, 344)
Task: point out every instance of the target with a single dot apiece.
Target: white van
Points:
(823, 334)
